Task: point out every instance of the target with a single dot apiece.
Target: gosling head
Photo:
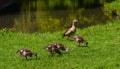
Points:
(20, 51)
(75, 38)
(47, 47)
(67, 49)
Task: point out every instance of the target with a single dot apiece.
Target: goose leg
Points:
(79, 43)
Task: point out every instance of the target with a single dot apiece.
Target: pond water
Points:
(51, 21)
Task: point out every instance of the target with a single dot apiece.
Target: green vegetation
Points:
(36, 15)
(62, 4)
(103, 51)
(112, 9)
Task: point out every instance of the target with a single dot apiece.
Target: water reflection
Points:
(51, 21)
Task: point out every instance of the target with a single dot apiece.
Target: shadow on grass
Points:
(83, 46)
(31, 59)
(58, 55)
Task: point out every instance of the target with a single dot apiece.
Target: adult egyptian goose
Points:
(80, 39)
(70, 31)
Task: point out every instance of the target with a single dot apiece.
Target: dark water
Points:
(51, 21)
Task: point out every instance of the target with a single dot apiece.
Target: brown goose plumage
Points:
(80, 39)
(56, 47)
(70, 31)
(26, 52)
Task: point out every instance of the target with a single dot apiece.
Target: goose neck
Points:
(73, 24)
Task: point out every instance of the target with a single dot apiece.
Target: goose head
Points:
(66, 49)
(47, 47)
(75, 21)
(76, 38)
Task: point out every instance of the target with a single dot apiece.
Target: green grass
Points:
(103, 51)
(112, 10)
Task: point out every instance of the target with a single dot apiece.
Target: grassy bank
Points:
(103, 51)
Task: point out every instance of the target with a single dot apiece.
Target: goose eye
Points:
(74, 38)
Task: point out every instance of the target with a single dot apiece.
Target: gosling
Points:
(26, 52)
(80, 39)
(56, 48)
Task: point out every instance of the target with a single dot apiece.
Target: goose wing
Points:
(80, 38)
(26, 50)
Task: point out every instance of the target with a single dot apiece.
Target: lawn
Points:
(103, 51)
